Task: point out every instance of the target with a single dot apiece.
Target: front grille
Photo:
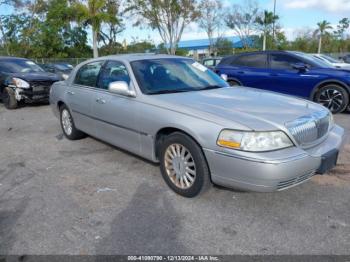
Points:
(294, 181)
(39, 86)
(307, 130)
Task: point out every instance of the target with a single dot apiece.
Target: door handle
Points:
(240, 72)
(100, 101)
(273, 74)
(70, 93)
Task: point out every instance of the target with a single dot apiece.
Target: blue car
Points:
(288, 72)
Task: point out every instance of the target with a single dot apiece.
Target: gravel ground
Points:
(86, 197)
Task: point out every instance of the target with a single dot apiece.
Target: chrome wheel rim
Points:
(66, 122)
(180, 166)
(332, 99)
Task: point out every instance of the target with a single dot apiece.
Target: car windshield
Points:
(330, 59)
(313, 60)
(64, 67)
(21, 66)
(173, 75)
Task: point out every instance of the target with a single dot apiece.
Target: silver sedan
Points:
(175, 111)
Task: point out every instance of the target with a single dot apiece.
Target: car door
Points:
(116, 114)
(81, 94)
(286, 79)
(251, 70)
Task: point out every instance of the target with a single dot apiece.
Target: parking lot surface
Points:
(86, 197)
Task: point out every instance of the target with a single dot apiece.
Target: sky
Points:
(295, 15)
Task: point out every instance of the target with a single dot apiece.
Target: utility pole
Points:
(273, 26)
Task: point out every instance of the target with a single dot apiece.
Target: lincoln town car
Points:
(174, 111)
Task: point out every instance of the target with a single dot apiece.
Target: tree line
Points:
(61, 28)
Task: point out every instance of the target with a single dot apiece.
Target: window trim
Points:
(131, 84)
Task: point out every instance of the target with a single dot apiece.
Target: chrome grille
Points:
(307, 130)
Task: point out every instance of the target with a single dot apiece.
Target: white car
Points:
(332, 61)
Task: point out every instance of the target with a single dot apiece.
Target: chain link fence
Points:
(72, 61)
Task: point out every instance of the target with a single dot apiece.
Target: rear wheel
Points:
(334, 97)
(9, 98)
(183, 165)
(68, 126)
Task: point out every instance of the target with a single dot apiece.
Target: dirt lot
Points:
(86, 197)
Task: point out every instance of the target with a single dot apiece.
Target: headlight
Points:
(20, 83)
(65, 76)
(254, 141)
(224, 76)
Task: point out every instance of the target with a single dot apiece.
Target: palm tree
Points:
(265, 22)
(321, 30)
(92, 14)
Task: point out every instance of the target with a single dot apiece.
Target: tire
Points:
(334, 97)
(68, 126)
(233, 83)
(172, 168)
(347, 110)
(9, 98)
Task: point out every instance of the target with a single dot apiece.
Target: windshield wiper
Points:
(169, 91)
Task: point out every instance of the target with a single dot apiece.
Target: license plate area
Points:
(38, 88)
(329, 160)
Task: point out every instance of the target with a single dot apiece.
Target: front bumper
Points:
(34, 96)
(267, 172)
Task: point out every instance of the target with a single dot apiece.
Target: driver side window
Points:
(113, 71)
(284, 62)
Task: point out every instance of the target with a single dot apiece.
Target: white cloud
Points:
(334, 6)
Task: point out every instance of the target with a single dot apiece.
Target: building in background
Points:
(199, 48)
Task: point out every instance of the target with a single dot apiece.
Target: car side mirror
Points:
(301, 67)
(121, 88)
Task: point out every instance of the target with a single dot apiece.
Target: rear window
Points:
(253, 60)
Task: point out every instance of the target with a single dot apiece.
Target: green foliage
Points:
(181, 52)
(168, 17)
(223, 47)
(45, 33)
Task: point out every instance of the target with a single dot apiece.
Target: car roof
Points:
(138, 57)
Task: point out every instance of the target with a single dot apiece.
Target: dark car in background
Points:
(63, 70)
(23, 81)
(211, 62)
(288, 72)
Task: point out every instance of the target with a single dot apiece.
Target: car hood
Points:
(36, 76)
(240, 107)
(342, 65)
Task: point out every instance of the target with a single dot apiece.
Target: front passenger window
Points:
(112, 72)
(88, 74)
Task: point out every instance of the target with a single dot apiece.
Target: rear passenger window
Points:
(256, 61)
(113, 71)
(281, 61)
(88, 74)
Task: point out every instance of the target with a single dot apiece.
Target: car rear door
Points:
(116, 114)
(250, 70)
(81, 94)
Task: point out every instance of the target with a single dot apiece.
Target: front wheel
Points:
(183, 165)
(334, 97)
(9, 98)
